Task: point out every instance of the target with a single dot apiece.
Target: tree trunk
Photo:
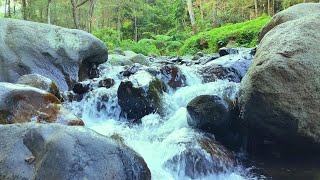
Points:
(74, 13)
(9, 8)
(192, 18)
(135, 29)
(215, 15)
(49, 12)
(91, 14)
(14, 7)
(256, 8)
(24, 11)
(269, 8)
(201, 13)
(119, 27)
(5, 8)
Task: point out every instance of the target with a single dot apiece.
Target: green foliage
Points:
(144, 46)
(108, 36)
(241, 34)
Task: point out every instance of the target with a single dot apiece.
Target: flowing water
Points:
(159, 138)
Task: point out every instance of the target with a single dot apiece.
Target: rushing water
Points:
(158, 138)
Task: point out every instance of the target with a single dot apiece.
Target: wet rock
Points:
(126, 73)
(201, 54)
(141, 59)
(118, 60)
(129, 54)
(196, 57)
(137, 100)
(93, 71)
(214, 72)
(21, 103)
(62, 55)
(210, 113)
(172, 76)
(40, 82)
(107, 83)
(102, 100)
(280, 93)
(117, 51)
(60, 152)
(71, 96)
(205, 60)
(81, 88)
(225, 51)
(202, 158)
(292, 13)
(175, 59)
(153, 71)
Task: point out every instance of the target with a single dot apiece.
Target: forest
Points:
(155, 26)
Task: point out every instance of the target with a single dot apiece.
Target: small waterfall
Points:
(159, 138)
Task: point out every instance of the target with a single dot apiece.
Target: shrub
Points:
(244, 34)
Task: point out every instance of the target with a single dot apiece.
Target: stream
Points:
(158, 138)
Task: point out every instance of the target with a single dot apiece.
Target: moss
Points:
(50, 98)
(244, 34)
(155, 92)
(4, 116)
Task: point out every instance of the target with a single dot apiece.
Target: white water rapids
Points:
(157, 139)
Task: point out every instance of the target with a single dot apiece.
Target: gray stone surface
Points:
(37, 151)
(292, 13)
(60, 54)
(280, 93)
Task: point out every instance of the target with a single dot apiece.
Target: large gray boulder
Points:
(62, 55)
(292, 13)
(280, 99)
(37, 151)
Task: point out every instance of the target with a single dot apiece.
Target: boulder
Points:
(280, 93)
(60, 152)
(81, 88)
(201, 54)
(202, 157)
(141, 59)
(129, 54)
(172, 76)
(40, 82)
(21, 103)
(292, 13)
(117, 51)
(213, 72)
(225, 51)
(107, 83)
(60, 54)
(119, 60)
(140, 95)
(212, 114)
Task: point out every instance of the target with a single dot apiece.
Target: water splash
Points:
(158, 139)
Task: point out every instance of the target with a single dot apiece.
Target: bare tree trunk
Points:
(135, 29)
(192, 18)
(9, 8)
(24, 11)
(256, 8)
(201, 13)
(74, 13)
(5, 8)
(14, 7)
(215, 15)
(49, 12)
(91, 14)
(269, 8)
